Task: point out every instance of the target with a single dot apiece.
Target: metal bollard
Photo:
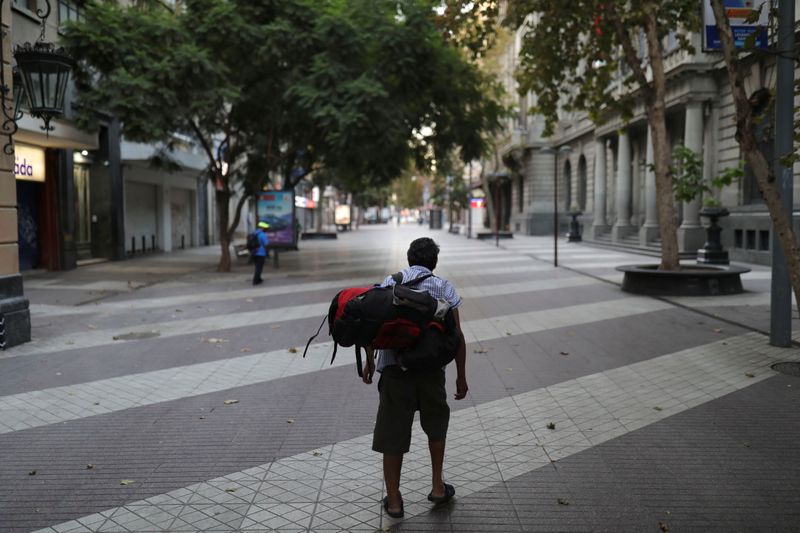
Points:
(183, 242)
(133, 245)
(2, 331)
(144, 244)
(152, 242)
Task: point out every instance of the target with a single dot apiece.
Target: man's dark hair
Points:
(423, 252)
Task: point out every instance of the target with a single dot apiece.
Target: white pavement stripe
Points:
(196, 297)
(340, 487)
(60, 404)
(100, 337)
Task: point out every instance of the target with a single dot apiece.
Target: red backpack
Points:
(393, 317)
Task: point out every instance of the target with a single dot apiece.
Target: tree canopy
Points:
(358, 87)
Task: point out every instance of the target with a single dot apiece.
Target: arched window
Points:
(582, 183)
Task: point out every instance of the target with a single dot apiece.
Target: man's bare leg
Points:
(437, 463)
(392, 466)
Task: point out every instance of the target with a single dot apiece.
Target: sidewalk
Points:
(183, 403)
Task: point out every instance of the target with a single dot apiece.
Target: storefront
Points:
(29, 171)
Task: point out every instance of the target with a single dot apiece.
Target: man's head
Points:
(423, 252)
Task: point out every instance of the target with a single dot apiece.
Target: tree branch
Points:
(631, 58)
(206, 147)
(237, 214)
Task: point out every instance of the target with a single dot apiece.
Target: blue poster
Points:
(738, 11)
(276, 208)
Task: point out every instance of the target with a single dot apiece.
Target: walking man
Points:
(260, 255)
(403, 392)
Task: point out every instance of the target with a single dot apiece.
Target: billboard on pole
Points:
(276, 208)
(738, 12)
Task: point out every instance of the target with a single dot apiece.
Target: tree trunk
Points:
(765, 179)
(223, 211)
(665, 199)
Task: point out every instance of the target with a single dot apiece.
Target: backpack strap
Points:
(398, 279)
(314, 336)
(359, 364)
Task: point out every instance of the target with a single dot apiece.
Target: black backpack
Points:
(397, 317)
(252, 242)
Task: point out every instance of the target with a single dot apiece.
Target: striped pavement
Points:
(215, 422)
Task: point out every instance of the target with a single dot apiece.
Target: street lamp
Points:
(43, 73)
(555, 153)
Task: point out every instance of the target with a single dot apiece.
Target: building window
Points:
(68, 11)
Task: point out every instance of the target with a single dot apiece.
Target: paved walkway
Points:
(159, 395)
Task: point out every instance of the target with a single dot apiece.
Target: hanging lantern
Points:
(44, 70)
(20, 97)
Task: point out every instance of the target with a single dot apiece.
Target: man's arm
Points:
(461, 361)
(369, 367)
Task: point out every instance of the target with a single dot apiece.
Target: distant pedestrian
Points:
(260, 255)
(403, 392)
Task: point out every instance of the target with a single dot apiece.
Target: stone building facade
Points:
(604, 172)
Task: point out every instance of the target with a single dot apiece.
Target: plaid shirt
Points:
(436, 287)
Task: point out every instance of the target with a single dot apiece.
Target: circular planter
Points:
(689, 281)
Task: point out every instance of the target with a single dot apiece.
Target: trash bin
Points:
(436, 216)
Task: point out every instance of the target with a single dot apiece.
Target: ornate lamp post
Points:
(43, 73)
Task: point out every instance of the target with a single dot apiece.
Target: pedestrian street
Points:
(184, 403)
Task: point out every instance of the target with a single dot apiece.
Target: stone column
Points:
(691, 235)
(16, 326)
(650, 228)
(599, 225)
(623, 224)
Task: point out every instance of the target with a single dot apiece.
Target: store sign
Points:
(738, 12)
(28, 163)
(306, 203)
(477, 203)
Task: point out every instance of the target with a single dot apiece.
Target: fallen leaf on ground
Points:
(657, 408)
(32, 473)
(480, 350)
(214, 340)
(509, 333)
(290, 421)
(746, 444)
(551, 426)
(230, 490)
(562, 501)
(245, 349)
(317, 454)
(249, 300)
(509, 369)
(564, 353)
(292, 350)
(179, 310)
(91, 326)
(230, 402)
(89, 466)
(202, 417)
(749, 375)
(717, 330)
(70, 342)
(127, 482)
(275, 326)
(663, 527)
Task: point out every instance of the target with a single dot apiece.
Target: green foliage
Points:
(574, 52)
(687, 177)
(286, 85)
(408, 189)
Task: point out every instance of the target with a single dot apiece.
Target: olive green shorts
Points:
(401, 394)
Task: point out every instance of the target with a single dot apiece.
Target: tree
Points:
(289, 87)
(746, 117)
(570, 59)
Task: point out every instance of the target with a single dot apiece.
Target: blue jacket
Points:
(263, 241)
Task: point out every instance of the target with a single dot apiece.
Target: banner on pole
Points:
(738, 12)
